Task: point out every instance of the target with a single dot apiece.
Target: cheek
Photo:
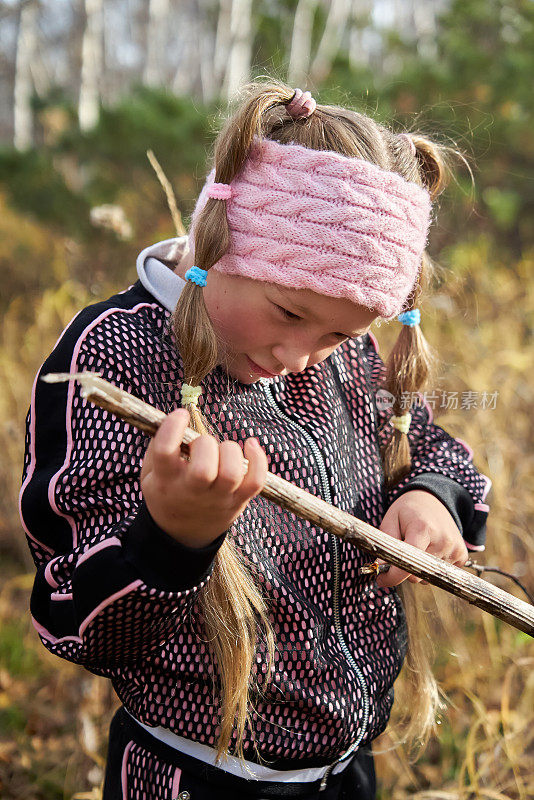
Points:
(321, 355)
(238, 325)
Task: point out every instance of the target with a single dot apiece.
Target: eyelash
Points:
(287, 314)
(292, 317)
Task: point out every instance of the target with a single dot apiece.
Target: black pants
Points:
(140, 767)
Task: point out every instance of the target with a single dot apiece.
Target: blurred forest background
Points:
(87, 87)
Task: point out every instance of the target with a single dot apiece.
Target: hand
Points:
(421, 519)
(196, 500)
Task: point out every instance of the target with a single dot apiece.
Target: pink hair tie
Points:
(410, 142)
(301, 104)
(220, 191)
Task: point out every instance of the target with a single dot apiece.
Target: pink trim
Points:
(53, 639)
(464, 444)
(73, 368)
(31, 469)
(478, 547)
(488, 486)
(113, 541)
(107, 602)
(375, 342)
(176, 781)
(78, 639)
(124, 771)
(48, 575)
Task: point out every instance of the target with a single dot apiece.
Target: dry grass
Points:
(54, 716)
(482, 322)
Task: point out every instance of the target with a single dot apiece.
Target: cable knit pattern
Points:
(319, 220)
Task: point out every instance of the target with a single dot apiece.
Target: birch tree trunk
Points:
(92, 63)
(360, 34)
(22, 94)
(301, 43)
(425, 27)
(206, 46)
(223, 40)
(158, 17)
(188, 67)
(335, 26)
(240, 47)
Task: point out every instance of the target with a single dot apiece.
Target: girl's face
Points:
(279, 330)
(264, 329)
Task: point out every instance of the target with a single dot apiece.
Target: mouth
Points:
(257, 370)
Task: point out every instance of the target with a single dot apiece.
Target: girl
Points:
(251, 656)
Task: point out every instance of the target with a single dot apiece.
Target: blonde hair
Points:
(233, 609)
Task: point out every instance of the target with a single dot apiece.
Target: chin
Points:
(241, 375)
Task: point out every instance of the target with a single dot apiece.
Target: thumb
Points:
(391, 525)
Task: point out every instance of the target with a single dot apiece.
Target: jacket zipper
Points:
(335, 548)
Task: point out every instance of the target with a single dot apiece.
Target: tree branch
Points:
(307, 506)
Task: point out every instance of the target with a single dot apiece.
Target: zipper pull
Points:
(324, 780)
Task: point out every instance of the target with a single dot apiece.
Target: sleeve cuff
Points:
(162, 561)
(470, 520)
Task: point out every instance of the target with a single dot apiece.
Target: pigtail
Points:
(410, 367)
(231, 604)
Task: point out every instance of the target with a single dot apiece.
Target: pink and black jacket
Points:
(114, 593)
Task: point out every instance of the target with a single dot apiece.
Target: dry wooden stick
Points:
(307, 506)
(167, 188)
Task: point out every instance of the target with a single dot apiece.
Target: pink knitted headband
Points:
(319, 220)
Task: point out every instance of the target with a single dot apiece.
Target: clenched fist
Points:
(196, 500)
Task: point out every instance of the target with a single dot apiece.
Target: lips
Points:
(257, 370)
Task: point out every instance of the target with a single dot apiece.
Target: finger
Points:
(415, 579)
(451, 558)
(231, 467)
(164, 449)
(254, 480)
(460, 555)
(436, 548)
(203, 464)
(419, 537)
(393, 577)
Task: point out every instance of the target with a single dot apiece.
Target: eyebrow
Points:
(311, 314)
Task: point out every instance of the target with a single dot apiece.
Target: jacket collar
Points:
(157, 278)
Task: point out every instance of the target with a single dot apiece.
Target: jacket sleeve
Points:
(111, 586)
(441, 464)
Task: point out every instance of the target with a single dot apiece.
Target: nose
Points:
(295, 358)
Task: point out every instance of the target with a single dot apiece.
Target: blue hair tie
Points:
(410, 318)
(197, 275)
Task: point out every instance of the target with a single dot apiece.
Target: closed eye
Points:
(289, 315)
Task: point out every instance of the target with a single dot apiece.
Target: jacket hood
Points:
(158, 278)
